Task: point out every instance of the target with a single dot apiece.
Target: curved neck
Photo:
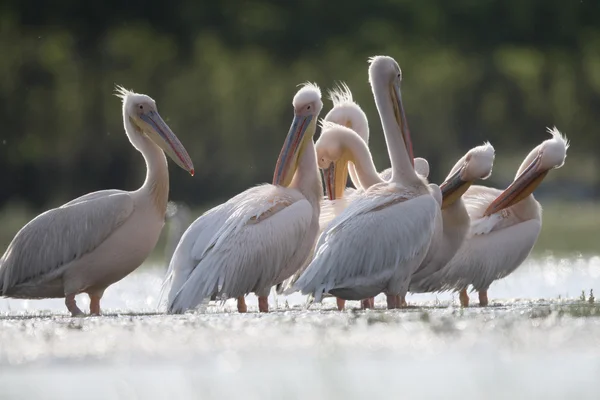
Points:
(156, 184)
(360, 156)
(402, 168)
(456, 223)
(456, 217)
(306, 178)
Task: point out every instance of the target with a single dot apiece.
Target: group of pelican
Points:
(394, 233)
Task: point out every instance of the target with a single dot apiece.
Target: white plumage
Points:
(228, 264)
(496, 245)
(359, 253)
(260, 237)
(504, 225)
(453, 225)
(99, 238)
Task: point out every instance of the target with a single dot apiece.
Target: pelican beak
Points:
(522, 187)
(401, 120)
(160, 133)
(335, 178)
(288, 157)
(454, 187)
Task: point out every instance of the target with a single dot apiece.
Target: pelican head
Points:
(347, 112)
(549, 155)
(333, 157)
(384, 70)
(307, 106)
(476, 164)
(140, 110)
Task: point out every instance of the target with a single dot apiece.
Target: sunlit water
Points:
(524, 346)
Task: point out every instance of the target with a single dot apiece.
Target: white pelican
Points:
(260, 237)
(97, 239)
(504, 224)
(379, 240)
(337, 149)
(455, 221)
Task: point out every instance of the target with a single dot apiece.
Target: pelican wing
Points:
(260, 235)
(196, 236)
(93, 196)
(364, 246)
(329, 210)
(493, 248)
(60, 236)
(483, 258)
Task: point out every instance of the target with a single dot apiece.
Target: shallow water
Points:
(537, 340)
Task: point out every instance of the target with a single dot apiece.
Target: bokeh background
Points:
(223, 74)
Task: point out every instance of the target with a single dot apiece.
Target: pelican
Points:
(260, 237)
(449, 236)
(504, 224)
(337, 149)
(91, 242)
(379, 240)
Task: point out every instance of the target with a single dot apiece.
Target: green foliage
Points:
(224, 73)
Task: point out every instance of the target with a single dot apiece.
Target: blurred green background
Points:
(223, 74)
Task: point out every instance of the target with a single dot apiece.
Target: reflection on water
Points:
(518, 348)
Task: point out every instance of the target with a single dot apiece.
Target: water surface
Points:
(537, 340)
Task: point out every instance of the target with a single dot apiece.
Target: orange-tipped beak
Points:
(521, 187)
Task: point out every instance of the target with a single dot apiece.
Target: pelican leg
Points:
(372, 302)
(391, 301)
(464, 298)
(263, 303)
(94, 303)
(483, 299)
(365, 304)
(341, 303)
(241, 304)
(72, 305)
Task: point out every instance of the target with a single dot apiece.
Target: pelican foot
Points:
(483, 298)
(341, 303)
(464, 298)
(72, 306)
(263, 304)
(241, 304)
